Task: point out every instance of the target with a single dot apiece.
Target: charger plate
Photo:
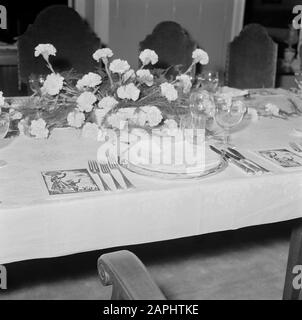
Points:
(210, 170)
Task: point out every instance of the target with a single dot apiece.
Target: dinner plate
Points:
(213, 165)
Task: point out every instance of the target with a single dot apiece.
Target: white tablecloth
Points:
(36, 225)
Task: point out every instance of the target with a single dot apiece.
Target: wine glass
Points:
(228, 114)
(4, 127)
(36, 83)
(209, 80)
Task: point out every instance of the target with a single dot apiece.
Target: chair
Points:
(252, 59)
(294, 259)
(173, 46)
(64, 28)
(128, 276)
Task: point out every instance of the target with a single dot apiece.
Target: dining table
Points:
(37, 225)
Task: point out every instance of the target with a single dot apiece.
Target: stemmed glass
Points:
(228, 114)
(209, 80)
(4, 127)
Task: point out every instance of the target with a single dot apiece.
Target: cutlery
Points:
(251, 163)
(227, 156)
(106, 170)
(94, 168)
(113, 164)
(295, 147)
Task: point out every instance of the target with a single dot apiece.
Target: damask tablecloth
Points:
(35, 225)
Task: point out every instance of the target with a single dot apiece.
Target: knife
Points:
(250, 162)
(227, 156)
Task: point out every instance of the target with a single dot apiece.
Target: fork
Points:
(106, 170)
(295, 147)
(113, 164)
(94, 168)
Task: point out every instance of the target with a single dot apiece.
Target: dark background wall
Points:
(21, 14)
(270, 13)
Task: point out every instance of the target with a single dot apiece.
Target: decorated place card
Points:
(69, 181)
(283, 158)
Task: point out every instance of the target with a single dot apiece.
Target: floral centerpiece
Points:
(110, 98)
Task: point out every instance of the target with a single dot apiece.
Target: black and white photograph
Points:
(150, 150)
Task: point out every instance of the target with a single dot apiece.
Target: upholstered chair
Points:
(68, 32)
(252, 59)
(173, 44)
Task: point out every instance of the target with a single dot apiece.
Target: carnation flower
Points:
(38, 129)
(76, 119)
(107, 103)
(103, 54)
(272, 109)
(130, 92)
(90, 131)
(119, 66)
(2, 101)
(15, 115)
(145, 76)
(141, 118)
(129, 75)
(53, 84)
(115, 121)
(185, 82)
(148, 56)
(170, 127)
(200, 56)
(153, 115)
(168, 91)
(85, 101)
(45, 50)
(90, 80)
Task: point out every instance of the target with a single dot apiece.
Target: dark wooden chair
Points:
(294, 259)
(252, 59)
(65, 29)
(173, 45)
(128, 277)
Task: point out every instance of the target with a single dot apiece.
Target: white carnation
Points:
(153, 115)
(129, 75)
(115, 121)
(272, 109)
(53, 84)
(76, 119)
(103, 54)
(107, 103)
(145, 76)
(200, 56)
(45, 50)
(119, 66)
(90, 131)
(148, 56)
(90, 80)
(85, 101)
(130, 92)
(2, 101)
(185, 82)
(38, 129)
(168, 91)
